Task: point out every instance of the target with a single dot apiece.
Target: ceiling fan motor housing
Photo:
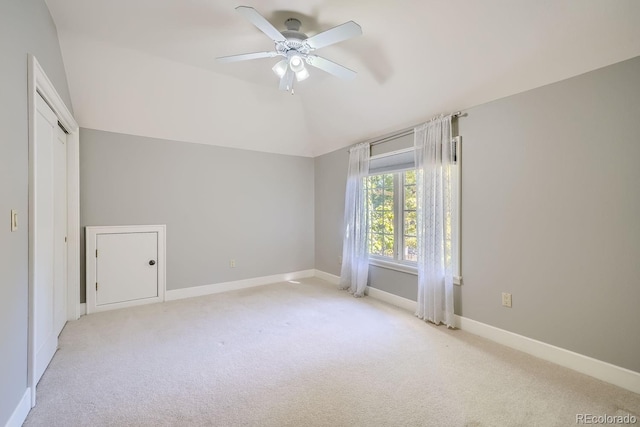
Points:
(295, 39)
(293, 24)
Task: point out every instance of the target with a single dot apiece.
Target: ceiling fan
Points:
(295, 47)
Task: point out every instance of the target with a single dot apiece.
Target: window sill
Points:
(394, 265)
(404, 268)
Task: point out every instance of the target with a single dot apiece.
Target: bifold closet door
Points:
(126, 267)
(49, 235)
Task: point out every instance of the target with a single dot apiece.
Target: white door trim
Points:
(90, 245)
(39, 83)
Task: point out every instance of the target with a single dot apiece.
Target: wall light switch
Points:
(14, 220)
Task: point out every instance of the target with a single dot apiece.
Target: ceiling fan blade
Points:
(259, 21)
(334, 35)
(246, 56)
(286, 82)
(331, 67)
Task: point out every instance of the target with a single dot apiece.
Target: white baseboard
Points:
(331, 278)
(604, 371)
(216, 288)
(21, 411)
(392, 299)
(616, 375)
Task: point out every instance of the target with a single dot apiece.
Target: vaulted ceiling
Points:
(147, 67)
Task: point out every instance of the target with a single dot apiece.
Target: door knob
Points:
(152, 262)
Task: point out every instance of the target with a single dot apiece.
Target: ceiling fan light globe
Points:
(296, 63)
(280, 68)
(302, 74)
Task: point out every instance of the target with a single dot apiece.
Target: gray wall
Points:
(551, 205)
(218, 204)
(550, 214)
(330, 185)
(25, 27)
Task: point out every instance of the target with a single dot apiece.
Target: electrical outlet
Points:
(232, 263)
(506, 299)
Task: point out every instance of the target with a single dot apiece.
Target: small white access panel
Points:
(125, 266)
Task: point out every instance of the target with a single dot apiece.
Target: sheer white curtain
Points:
(437, 225)
(355, 251)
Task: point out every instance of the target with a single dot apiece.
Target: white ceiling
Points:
(147, 67)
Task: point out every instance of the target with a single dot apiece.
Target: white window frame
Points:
(396, 263)
(411, 267)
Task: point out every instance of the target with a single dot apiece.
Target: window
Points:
(392, 203)
(392, 216)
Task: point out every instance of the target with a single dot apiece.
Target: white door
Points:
(49, 230)
(60, 231)
(126, 267)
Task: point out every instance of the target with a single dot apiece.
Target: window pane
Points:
(388, 180)
(388, 200)
(410, 223)
(376, 222)
(388, 245)
(410, 177)
(380, 198)
(410, 197)
(376, 198)
(376, 244)
(409, 228)
(388, 222)
(410, 249)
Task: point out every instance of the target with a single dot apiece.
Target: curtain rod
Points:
(406, 131)
(403, 132)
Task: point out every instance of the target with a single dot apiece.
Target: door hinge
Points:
(96, 286)
(65, 239)
(96, 253)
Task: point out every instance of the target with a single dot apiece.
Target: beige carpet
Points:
(301, 355)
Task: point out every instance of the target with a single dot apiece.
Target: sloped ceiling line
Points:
(147, 67)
